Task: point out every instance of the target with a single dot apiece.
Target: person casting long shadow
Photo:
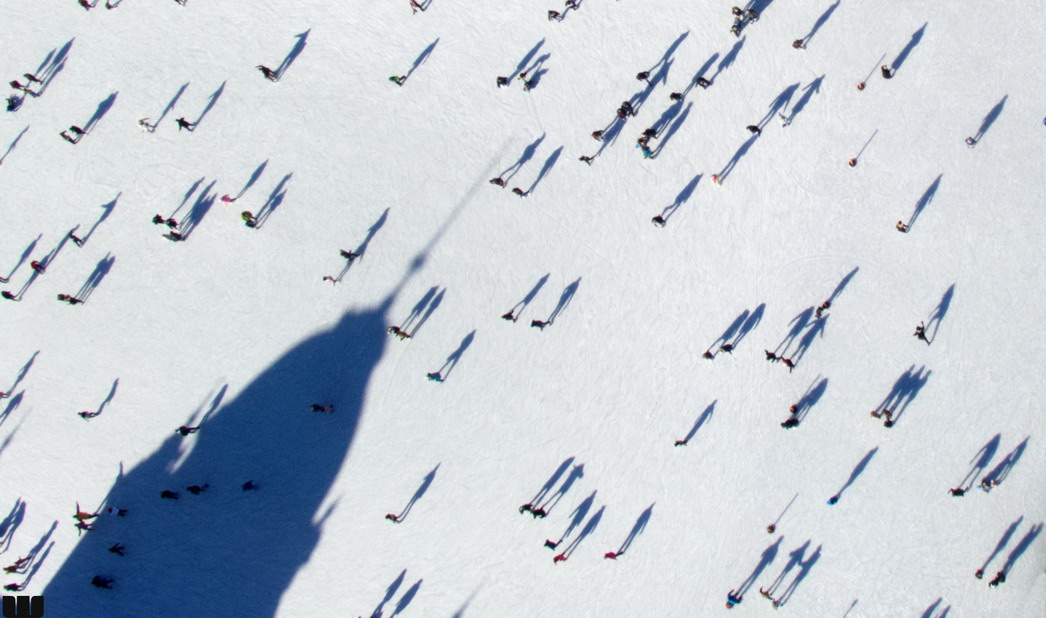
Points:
(443, 372)
(517, 309)
(547, 487)
(590, 526)
(425, 483)
(389, 593)
(637, 528)
(701, 420)
(858, 469)
(576, 517)
(577, 473)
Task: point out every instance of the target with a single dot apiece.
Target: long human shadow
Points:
(34, 555)
(564, 300)
(361, 250)
(765, 560)
(432, 306)
(795, 557)
(10, 524)
(804, 570)
(610, 133)
(904, 391)
(107, 209)
(255, 175)
(389, 593)
(422, 57)
(753, 320)
(536, 71)
(273, 202)
(810, 398)
(25, 256)
(293, 54)
(741, 152)
(980, 461)
(172, 103)
(101, 269)
(11, 406)
(820, 22)
(700, 73)
(22, 372)
(1001, 545)
(842, 284)
(200, 416)
(189, 193)
(528, 154)
(934, 323)
(858, 469)
(808, 92)
(816, 330)
(577, 516)
(576, 473)
(1004, 467)
(676, 123)
(46, 261)
(728, 59)
(455, 356)
(798, 325)
(13, 144)
(661, 77)
(100, 112)
(986, 123)
(210, 104)
(552, 480)
(926, 198)
(931, 611)
(730, 330)
(637, 528)
(701, 420)
(258, 540)
(666, 58)
(518, 308)
(109, 398)
(546, 168)
(589, 528)
(424, 487)
(916, 37)
(758, 5)
(779, 103)
(1021, 547)
(415, 311)
(408, 596)
(670, 113)
(198, 211)
(682, 198)
(525, 60)
(52, 66)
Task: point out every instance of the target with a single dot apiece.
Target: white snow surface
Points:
(234, 330)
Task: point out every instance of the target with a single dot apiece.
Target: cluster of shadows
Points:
(178, 545)
(931, 611)
(528, 154)
(701, 420)
(517, 309)
(796, 558)
(361, 249)
(198, 210)
(52, 64)
(1015, 554)
(29, 564)
(45, 262)
(89, 414)
(542, 501)
(807, 326)
(422, 310)
(820, 22)
(390, 592)
(564, 301)
(736, 332)
(658, 73)
(998, 474)
(525, 61)
(16, 399)
(901, 394)
(801, 408)
(272, 202)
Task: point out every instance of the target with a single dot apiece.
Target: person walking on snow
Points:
(185, 124)
(268, 73)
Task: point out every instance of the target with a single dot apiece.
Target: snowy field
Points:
(234, 329)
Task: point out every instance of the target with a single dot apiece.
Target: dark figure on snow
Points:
(820, 310)
(552, 544)
(77, 135)
(770, 529)
(119, 512)
(559, 558)
(736, 11)
(920, 332)
(510, 316)
(398, 79)
(434, 376)
(79, 242)
(14, 587)
(658, 220)
(790, 423)
(197, 489)
(102, 582)
(727, 347)
(348, 255)
(752, 15)
(497, 182)
(538, 513)
(680, 443)
(708, 355)
(770, 356)
(704, 83)
(18, 86)
(598, 135)
(902, 227)
(87, 415)
(169, 495)
(644, 76)
(13, 103)
(186, 430)
(520, 192)
(37, 266)
(117, 549)
(788, 363)
(171, 223)
(415, 7)
(318, 408)
(268, 73)
(676, 96)
(555, 15)
(185, 124)
(732, 600)
(958, 492)
(248, 486)
(249, 219)
(886, 71)
(393, 518)
(174, 236)
(9, 296)
(540, 324)
(798, 44)
(526, 508)
(1000, 578)
(396, 330)
(612, 555)
(754, 130)
(627, 106)
(502, 81)
(586, 159)
(72, 300)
